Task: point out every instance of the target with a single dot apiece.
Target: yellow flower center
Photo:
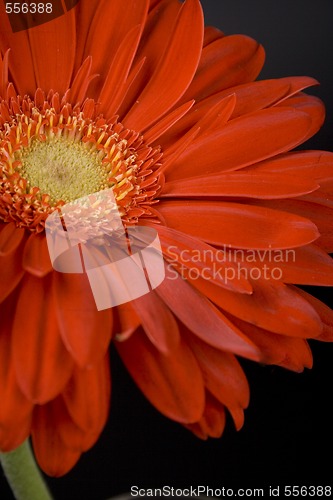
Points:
(52, 154)
(63, 169)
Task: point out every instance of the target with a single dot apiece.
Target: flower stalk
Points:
(23, 475)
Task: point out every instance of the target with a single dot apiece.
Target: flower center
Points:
(52, 154)
(63, 169)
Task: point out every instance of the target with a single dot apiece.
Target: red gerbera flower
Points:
(140, 98)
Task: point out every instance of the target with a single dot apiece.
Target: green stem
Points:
(23, 474)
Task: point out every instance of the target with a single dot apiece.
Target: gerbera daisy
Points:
(142, 99)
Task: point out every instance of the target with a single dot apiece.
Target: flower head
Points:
(141, 98)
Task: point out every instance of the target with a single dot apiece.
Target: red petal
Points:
(245, 185)
(10, 238)
(168, 121)
(272, 306)
(81, 82)
(22, 74)
(249, 97)
(4, 73)
(212, 422)
(108, 27)
(217, 116)
(288, 352)
(308, 266)
(156, 34)
(238, 225)
(36, 257)
(42, 364)
(87, 396)
(52, 454)
(15, 409)
(183, 251)
(86, 331)
(318, 213)
(158, 322)
(53, 52)
(177, 149)
(126, 321)
(11, 274)
(228, 61)
(260, 135)
(114, 88)
(223, 377)
(153, 44)
(172, 383)
(303, 164)
(310, 105)
(179, 60)
(153, 3)
(325, 313)
(262, 94)
(10, 264)
(211, 34)
(202, 318)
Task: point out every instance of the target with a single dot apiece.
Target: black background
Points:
(287, 438)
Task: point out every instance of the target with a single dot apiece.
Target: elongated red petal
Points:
(223, 377)
(153, 3)
(22, 74)
(308, 265)
(237, 225)
(126, 321)
(211, 34)
(114, 88)
(249, 97)
(42, 364)
(172, 383)
(153, 45)
(228, 61)
(4, 73)
(85, 331)
(108, 27)
(81, 82)
(53, 455)
(54, 42)
(36, 257)
(202, 318)
(217, 116)
(303, 164)
(204, 260)
(262, 94)
(325, 313)
(15, 409)
(87, 396)
(245, 185)
(319, 213)
(11, 273)
(272, 306)
(262, 135)
(213, 420)
(10, 238)
(165, 123)
(311, 105)
(158, 322)
(163, 91)
(289, 352)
